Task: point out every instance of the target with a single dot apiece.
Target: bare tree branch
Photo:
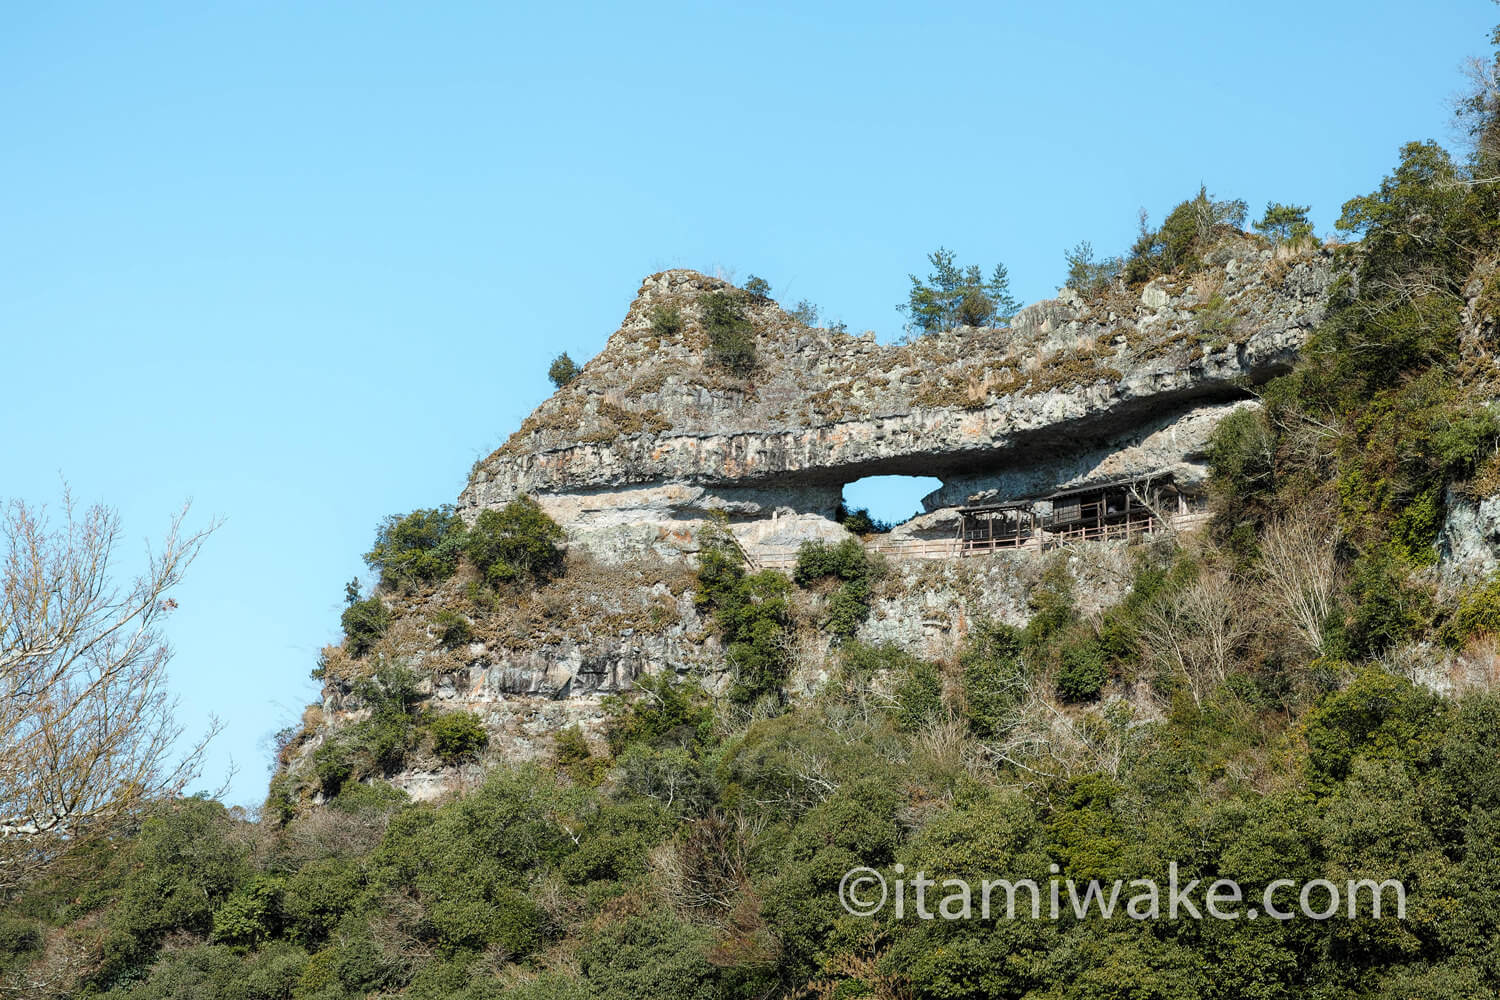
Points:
(86, 724)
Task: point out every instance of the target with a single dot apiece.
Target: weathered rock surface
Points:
(633, 455)
(651, 435)
(1469, 542)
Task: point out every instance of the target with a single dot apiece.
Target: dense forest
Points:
(700, 854)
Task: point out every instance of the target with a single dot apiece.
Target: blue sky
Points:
(303, 263)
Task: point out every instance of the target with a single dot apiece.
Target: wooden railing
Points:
(783, 557)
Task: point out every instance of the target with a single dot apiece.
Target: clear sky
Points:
(303, 263)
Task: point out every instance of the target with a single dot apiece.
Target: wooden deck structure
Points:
(987, 527)
(1125, 509)
(1111, 510)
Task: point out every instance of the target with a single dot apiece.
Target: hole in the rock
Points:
(888, 500)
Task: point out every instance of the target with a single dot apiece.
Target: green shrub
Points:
(1284, 223)
(731, 337)
(562, 370)
(281, 803)
(393, 690)
(759, 289)
(848, 608)
(515, 543)
(1478, 613)
(915, 683)
(818, 560)
(672, 776)
(367, 801)
(1414, 529)
(1087, 275)
(352, 967)
(650, 957)
(20, 939)
(754, 627)
(316, 897)
(202, 970)
(1377, 715)
(185, 863)
(1241, 456)
(994, 676)
(377, 744)
(1156, 575)
(505, 918)
(919, 693)
(750, 614)
(251, 915)
(663, 712)
(572, 755)
(364, 623)
(1082, 670)
(1388, 607)
(332, 765)
(468, 861)
(859, 522)
(666, 320)
(422, 547)
(453, 629)
(615, 842)
(458, 735)
(849, 604)
(854, 826)
(1189, 231)
(1051, 605)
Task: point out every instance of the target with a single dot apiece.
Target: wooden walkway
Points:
(951, 548)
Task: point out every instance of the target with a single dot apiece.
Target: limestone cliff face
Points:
(632, 456)
(651, 435)
(549, 661)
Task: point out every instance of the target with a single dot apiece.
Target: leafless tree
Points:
(1300, 574)
(1476, 112)
(1196, 632)
(1148, 495)
(87, 733)
(1045, 740)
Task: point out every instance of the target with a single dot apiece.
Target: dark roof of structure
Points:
(1071, 491)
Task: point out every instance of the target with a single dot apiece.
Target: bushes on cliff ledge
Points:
(516, 542)
(849, 564)
(750, 613)
(457, 735)
(731, 338)
(364, 623)
(506, 545)
(422, 547)
(1189, 231)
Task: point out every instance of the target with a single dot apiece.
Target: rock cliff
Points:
(633, 455)
(652, 435)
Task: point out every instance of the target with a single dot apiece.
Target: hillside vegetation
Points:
(1259, 706)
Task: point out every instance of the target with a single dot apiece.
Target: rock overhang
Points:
(1069, 384)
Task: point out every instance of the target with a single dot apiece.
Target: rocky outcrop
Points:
(634, 454)
(652, 435)
(524, 694)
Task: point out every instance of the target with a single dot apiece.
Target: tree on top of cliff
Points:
(563, 370)
(1189, 231)
(953, 296)
(731, 337)
(514, 543)
(1284, 223)
(421, 547)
